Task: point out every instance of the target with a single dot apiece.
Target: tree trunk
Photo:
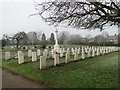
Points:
(17, 44)
(99, 44)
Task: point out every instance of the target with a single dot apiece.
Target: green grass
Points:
(98, 72)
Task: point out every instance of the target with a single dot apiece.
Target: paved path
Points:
(11, 80)
(0, 78)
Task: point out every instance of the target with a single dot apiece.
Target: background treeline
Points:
(64, 38)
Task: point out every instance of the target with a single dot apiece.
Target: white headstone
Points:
(7, 55)
(93, 52)
(12, 47)
(98, 52)
(45, 53)
(95, 49)
(68, 50)
(61, 53)
(76, 55)
(104, 50)
(109, 50)
(56, 59)
(38, 52)
(46, 50)
(26, 47)
(63, 50)
(73, 52)
(83, 53)
(29, 53)
(88, 53)
(90, 49)
(53, 53)
(16, 56)
(78, 50)
(49, 54)
(116, 48)
(42, 62)
(101, 51)
(60, 50)
(33, 47)
(34, 57)
(67, 57)
(20, 57)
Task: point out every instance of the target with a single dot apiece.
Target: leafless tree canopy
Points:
(85, 15)
(19, 36)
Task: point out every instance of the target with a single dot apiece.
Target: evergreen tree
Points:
(52, 39)
(3, 42)
(43, 41)
(43, 37)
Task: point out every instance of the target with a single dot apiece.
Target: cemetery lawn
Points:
(97, 72)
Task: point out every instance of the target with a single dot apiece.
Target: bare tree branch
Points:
(85, 15)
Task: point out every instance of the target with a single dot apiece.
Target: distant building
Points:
(112, 39)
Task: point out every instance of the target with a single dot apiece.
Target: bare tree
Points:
(39, 33)
(99, 39)
(74, 39)
(19, 36)
(88, 38)
(104, 34)
(5, 36)
(85, 15)
(32, 37)
(63, 37)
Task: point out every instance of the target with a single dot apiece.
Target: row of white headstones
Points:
(90, 51)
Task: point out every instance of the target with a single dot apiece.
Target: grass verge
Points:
(98, 72)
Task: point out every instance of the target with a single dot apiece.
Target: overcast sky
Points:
(14, 18)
